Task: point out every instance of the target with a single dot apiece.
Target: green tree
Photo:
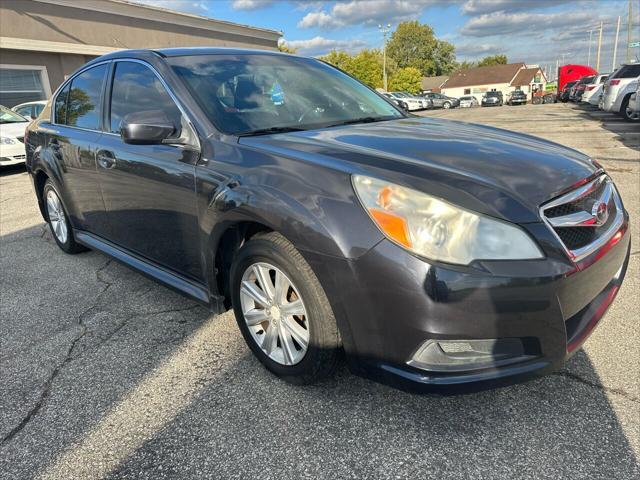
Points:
(408, 79)
(465, 65)
(337, 58)
(283, 47)
(493, 60)
(445, 57)
(366, 66)
(414, 44)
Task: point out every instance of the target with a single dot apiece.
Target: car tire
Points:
(58, 220)
(265, 258)
(446, 105)
(626, 111)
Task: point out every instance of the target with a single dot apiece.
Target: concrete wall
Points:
(58, 64)
(55, 23)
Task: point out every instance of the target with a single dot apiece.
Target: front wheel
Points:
(446, 105)
(282, 311)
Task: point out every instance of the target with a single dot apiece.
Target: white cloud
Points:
(316, 46)
(489, 6)
(530, 24)
(250, 4)
(477, 49)
(369, 12)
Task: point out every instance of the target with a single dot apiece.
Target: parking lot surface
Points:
(105, 374)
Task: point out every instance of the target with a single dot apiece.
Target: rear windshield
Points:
(494, 94)
(246, 94)
(628, 71)
(587, 79)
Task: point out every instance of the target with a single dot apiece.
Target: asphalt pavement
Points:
(106, 374)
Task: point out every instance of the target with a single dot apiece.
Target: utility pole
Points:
(385, 31)
(615, 47)
(599, 47)
(589, 56)
(629, 23)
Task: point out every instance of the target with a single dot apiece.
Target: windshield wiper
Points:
(268, 131)
(361, 120)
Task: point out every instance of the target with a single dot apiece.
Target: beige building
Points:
(503, 78)
(44, 41)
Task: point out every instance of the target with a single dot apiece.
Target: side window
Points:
(25, 111)
(137, 90)
(61, 106)
(83, 106)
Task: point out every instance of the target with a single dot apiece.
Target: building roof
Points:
(525, 76)
(483, 75)
(429, 83)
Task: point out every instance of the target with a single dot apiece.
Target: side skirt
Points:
(172, 280)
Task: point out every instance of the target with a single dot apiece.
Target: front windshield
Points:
(8, 116)
(254, 93)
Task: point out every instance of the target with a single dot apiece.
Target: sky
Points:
(532, 31)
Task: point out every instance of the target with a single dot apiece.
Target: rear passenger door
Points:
(149, 190)
(72, 141)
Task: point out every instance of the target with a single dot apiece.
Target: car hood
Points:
(13, 129)
(494, 171)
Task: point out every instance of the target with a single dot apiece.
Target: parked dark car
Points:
(566, 91)
(492, 99)
(517, 97)
(578, 89)
(435, 253)
(439, 100)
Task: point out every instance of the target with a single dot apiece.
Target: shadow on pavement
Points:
(108, 375)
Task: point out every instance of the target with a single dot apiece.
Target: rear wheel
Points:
(59, 220)
(282, 310)
(627, 113)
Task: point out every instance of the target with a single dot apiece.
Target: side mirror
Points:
(146, 128)
(146, 133)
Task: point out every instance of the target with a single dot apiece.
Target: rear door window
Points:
(628, 71)
(61, 106)
(83, 103)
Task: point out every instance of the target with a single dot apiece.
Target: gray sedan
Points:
(442, 101)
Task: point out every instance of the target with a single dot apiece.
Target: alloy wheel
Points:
(631, 115)
(274, 313)
(57, 218)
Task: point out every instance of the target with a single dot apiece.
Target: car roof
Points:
(35, 102)
(180, 52)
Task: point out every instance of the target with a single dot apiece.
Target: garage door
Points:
(20, 84)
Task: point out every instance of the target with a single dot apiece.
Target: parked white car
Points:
(30, 110)
(617, 91)
(12, 127)
(412, 102)
(468, 101)
(633, 108)
(593, 90)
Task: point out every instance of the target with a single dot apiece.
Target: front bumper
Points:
(11, 154)
(389, 303)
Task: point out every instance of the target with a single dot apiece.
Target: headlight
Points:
(439, 230)
(7, 141)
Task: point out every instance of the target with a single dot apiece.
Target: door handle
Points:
(106, 159)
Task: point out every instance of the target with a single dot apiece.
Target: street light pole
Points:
(599, 47)
(385, 31)
(589, 56)
(615, 47)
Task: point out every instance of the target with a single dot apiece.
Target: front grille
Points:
(585, 218)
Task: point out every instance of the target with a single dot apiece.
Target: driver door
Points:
(148, 190)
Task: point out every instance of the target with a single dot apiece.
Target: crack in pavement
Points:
(46, 391)
(599, 386)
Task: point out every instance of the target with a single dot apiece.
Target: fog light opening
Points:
(460, 355)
